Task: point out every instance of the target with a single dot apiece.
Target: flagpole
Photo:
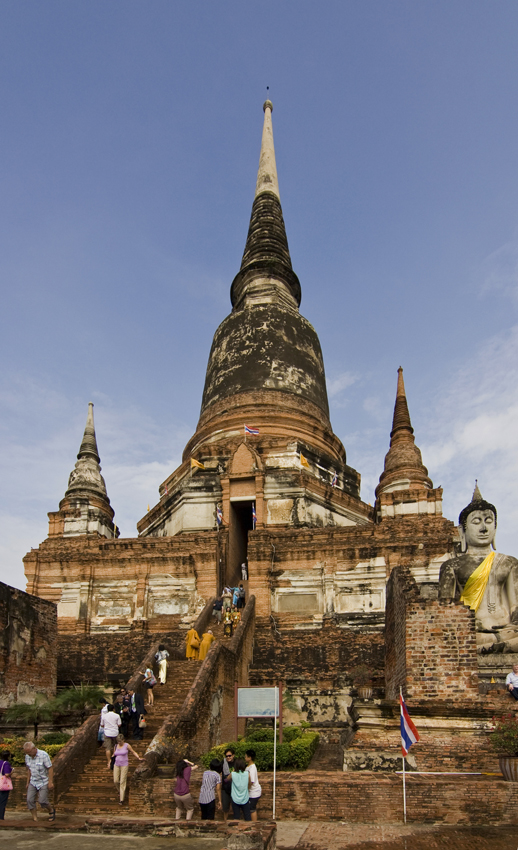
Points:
(404, 776)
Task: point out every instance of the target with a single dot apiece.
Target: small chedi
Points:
(483, 579)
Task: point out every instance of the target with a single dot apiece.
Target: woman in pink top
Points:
(182, 794)
(120, 766)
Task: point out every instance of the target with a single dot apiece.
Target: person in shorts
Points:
(110, 723)
(255, 788)
(40, 780)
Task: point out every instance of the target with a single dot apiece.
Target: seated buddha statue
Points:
(484, 580)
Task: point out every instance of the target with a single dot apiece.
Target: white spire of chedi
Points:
(87, 472)
(267, 174)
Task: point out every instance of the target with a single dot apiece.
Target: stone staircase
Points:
(95, 792)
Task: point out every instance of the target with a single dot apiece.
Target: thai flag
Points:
(254, 431)
(219, 514)
(254, 516)
(409, 734)
(334, 482)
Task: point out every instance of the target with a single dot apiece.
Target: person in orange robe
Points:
(192, 646)
(206, 641)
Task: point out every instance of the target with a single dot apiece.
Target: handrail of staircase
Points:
(75, 755)
(176, 732)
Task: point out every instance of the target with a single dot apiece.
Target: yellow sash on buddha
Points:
(477, 582)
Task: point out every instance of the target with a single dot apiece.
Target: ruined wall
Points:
(103, 658)
(28, 638)
(360, 798)
(101, 585)
(342, 570)
(431, 646)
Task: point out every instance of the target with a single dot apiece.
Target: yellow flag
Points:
(303, 461)
(195, 464)
(476, 584)
(148, 507)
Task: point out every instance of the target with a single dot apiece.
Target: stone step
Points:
(95, 791)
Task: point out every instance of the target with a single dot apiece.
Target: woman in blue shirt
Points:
(241, 782)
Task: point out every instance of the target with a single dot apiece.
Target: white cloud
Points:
(335, 386)
(501, 269)
(475, 434)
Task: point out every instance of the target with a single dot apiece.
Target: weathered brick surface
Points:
(431, 646)
(360, 798)
(28, 635)
(326, 656)
(129, 564)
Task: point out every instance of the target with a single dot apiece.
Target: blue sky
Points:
(130, 141)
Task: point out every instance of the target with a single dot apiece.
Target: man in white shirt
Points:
(110, 722)
(512, 682)
(255, 789)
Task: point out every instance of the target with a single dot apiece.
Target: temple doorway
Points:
(241, 522)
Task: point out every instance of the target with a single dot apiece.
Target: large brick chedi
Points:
(263, 480)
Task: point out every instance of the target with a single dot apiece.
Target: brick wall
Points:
(28, 635)
(431, 646)
(360, 798)
(327, 655)
(101, 657)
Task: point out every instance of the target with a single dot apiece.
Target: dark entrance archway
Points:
(241, 523)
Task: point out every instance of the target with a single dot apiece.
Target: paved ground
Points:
(65, 834)
(40, 839)
(304, 835)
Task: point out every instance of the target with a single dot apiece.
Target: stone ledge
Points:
(239, 835)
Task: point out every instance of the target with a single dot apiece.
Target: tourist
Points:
(122, 708)
(137, 712)
(217, 608)
(149, 682)
(182, 794)
(241, 597)
(512, 681)
(120, 766)
(110, 722)
(6, 784)
(255, 788)
(235, 596)
(226, 784)
(40, 780)
(100, 731)
(241, 783)
(226, 596)
(228, 623)
(244, 572)
(192, 644)
(206, 641)
(210, 789)
(236, 616)
(161, 658)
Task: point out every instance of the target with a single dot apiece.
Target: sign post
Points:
(260, 702)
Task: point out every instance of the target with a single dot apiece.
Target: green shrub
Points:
(293, 754)
(15, 746)
(54, 738)
(290, 733)
(259, 733)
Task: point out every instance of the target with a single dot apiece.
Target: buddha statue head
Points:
(477, 525)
